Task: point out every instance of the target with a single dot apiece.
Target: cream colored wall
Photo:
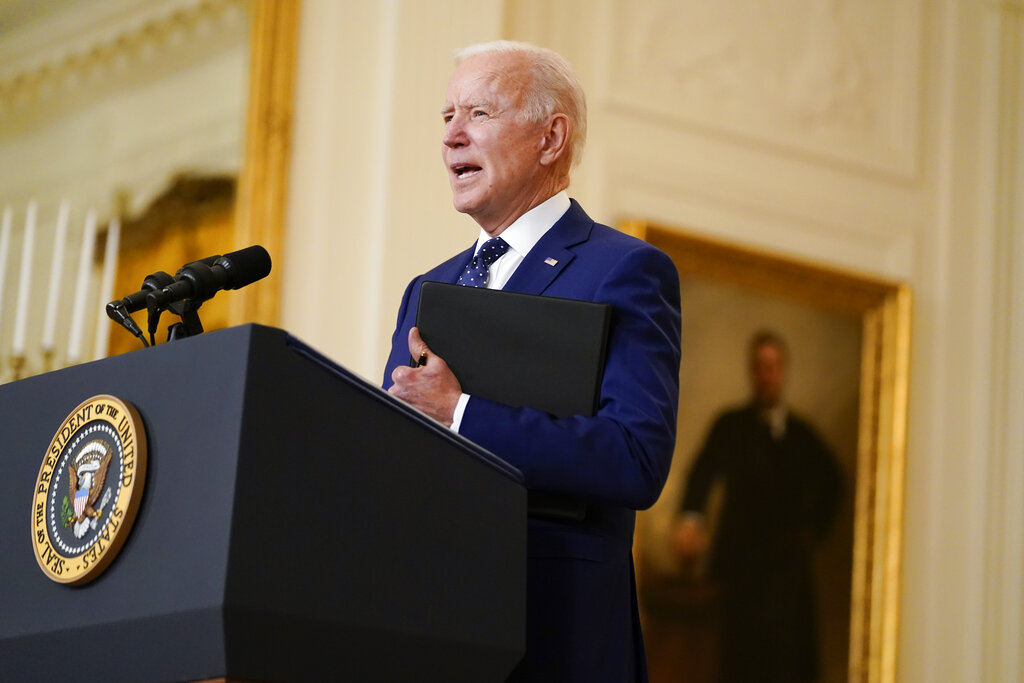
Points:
(879, 135)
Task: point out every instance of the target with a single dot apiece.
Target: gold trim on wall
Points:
(263, 186)
(884, 308)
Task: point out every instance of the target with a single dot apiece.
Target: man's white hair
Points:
(554, 88)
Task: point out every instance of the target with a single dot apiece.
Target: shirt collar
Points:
(527, 230)
(775, 418)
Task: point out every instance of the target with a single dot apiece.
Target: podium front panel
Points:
(297, 524)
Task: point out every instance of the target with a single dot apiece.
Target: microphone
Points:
(137, 301)
(198, 281)
(121, 311)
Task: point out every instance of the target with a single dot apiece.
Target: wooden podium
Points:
(297, 524)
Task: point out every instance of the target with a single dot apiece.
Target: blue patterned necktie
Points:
(476, 273)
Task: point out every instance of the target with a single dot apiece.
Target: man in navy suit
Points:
(515, 122)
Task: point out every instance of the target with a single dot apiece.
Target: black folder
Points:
(521, 350)
(518, 349)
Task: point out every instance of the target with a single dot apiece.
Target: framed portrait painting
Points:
(845, 339)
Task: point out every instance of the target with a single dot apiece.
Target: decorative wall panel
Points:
(837, 80)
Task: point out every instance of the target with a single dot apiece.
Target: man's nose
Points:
(454, 133)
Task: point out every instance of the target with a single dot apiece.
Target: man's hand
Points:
(689, 538)
(431, 388)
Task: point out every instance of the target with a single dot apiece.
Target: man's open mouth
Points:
(465, 170)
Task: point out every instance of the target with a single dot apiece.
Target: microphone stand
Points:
(155, 311)
(186, 309)
(190, 324)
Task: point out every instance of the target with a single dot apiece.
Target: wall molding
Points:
(62, 52)
(879, 242)
(1004, 549)
(812, 80)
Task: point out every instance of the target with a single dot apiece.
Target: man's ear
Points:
(554, 145)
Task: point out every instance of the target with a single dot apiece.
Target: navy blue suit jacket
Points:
(582, 622)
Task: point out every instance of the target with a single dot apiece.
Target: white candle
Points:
(5, 241)
(56, 270)
(107, 288)
(82, 289)
(25, 281)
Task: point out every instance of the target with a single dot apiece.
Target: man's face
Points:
(768, 375)
(491, 152)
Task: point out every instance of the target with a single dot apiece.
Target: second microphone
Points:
(200, 280)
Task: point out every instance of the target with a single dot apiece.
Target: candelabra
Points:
(22, 363)
(17, 363)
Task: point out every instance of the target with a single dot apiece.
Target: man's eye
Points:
(477, 113)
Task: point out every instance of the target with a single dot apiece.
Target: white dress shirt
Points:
(776, 419)
(521, 237)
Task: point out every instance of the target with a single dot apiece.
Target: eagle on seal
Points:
(86, 478)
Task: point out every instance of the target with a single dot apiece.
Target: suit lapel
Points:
(551, 254)
(447, 272)
(452, 269)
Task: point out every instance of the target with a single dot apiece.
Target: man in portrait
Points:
(514, 125)
(780, 494)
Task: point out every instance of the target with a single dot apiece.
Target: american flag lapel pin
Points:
(550, 261)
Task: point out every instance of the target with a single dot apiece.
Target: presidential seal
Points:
(88, 490)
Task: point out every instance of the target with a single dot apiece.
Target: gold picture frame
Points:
(884, 309)
(263, 186)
